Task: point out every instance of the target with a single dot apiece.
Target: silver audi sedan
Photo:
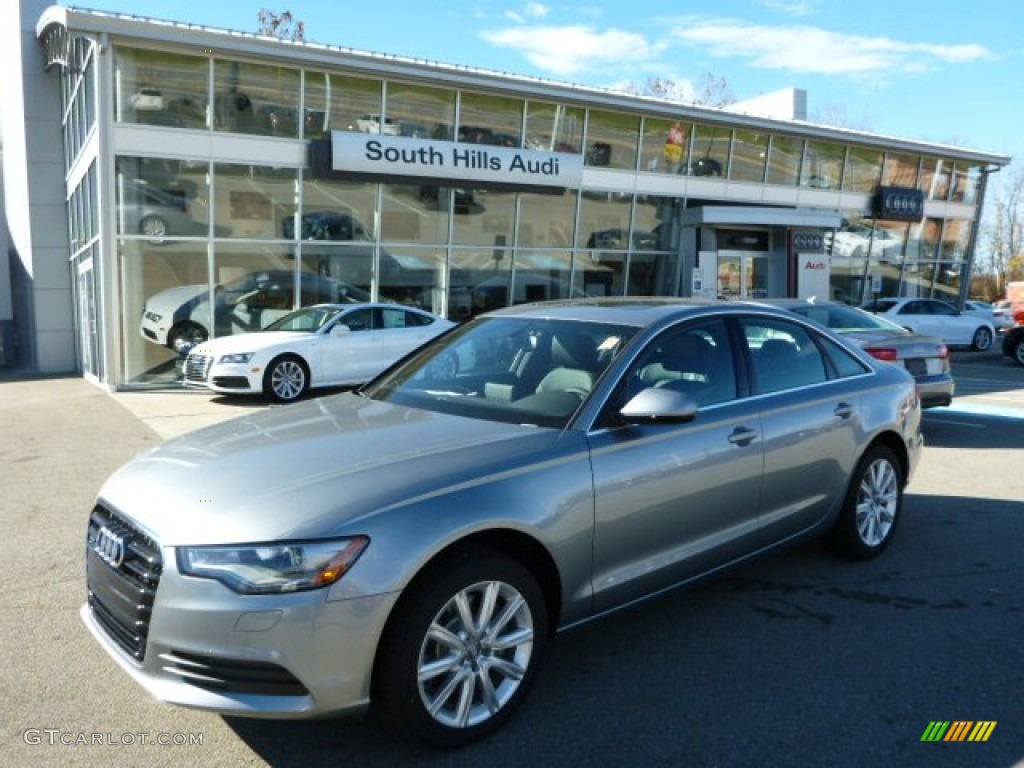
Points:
(415, 544)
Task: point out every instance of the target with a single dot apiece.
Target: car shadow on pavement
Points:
(781, 662)
(956, 430)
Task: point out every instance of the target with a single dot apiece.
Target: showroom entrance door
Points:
(742, 275)
(88, 336)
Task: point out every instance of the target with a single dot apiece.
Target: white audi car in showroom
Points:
(323, 345)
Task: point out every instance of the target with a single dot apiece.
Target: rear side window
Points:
(844, 364)
(783, 354)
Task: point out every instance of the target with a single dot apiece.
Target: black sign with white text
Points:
(898, 204)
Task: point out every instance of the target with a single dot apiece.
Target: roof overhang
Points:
(752, 215)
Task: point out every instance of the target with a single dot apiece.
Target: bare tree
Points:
(708, 90)
(283, 25)
(837, 116)
(1003, 235)
(712, 91)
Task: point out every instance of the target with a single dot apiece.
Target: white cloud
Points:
(793, 7)
(571, 49)
(514, 17)
(807, 49)
(536, 10)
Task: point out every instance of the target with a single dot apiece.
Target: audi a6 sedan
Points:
(413, 546)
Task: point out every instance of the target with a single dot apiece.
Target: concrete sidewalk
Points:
(170, 413)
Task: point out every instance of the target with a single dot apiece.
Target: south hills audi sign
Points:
(381, 156)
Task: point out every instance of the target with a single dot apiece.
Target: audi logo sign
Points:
(808, 242)
(898, 204)
(109, 546)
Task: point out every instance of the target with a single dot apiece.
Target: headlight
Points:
(238, 357)
(264, 569)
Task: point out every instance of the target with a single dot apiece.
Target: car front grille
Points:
(197, 366)
(122, 571)
(232, 675)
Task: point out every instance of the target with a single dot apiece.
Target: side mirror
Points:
(340, 329)
(659, 406)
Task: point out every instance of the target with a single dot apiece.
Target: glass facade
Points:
(226, 247)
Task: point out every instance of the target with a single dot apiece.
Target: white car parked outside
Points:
(933, 317)
(319, 346)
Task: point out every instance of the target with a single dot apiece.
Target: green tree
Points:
(283, 26)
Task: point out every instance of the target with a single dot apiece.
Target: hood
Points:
(250, 342)
(309, 470)
(168, 301)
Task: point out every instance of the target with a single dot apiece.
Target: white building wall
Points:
(34, 198)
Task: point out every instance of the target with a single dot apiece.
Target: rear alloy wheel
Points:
(286, 379)
(872, 505)
(462, 650)
(982, 339)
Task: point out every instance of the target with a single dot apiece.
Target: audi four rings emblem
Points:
(109, 546)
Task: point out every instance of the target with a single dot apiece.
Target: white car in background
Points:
(319, 346)
(933, 317)
(999, 316)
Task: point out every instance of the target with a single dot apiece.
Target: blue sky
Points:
(947, 72)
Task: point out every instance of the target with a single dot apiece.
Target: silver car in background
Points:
(414, 545)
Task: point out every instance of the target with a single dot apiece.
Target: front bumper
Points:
(223, 378)
(274, 656)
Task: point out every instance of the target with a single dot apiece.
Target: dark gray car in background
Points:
(415, 544)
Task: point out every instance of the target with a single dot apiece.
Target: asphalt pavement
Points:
(63, 702)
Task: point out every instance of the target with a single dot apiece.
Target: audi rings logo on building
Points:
(808, 242)
(109, 546)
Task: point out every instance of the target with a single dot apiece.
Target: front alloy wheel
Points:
(982, 339)
(462, 650)
(286, 379)
(872, 505)
(1018, 350)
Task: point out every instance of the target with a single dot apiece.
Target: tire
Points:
(153, 227)
(184, 336)
(982, 340)
(1017, 353)
(286, 379)
(872, 507)
(447, 683)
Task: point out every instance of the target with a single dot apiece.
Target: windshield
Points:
(305, 320)
(510, 369)
(843, 319)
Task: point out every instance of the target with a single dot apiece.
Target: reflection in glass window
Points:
(543, 276)
(955, 235)
(334, 211)
(964, 182)
(417, 214)
(487, 221)
(935, 178)
(254, 201)
(823, 165)
(664, 145)
(604, 221)
(255, 98)
(863, 170)
(784, 157)
(160, 88)
(749, 154)
(351, 267)
(337, 102)
(554, 127)
(161, 198)
(546, 221)
(417, 111)
(900, 170)
(254, 286)
(710, 153)
(492, 120)
(413, 276)
(481, 280)
(612, 140)
(163, 286)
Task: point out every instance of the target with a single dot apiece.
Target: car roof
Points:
(639, 312)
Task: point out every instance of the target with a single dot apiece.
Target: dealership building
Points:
(166, 182)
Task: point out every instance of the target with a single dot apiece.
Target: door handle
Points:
(843, 410)
(742, 436)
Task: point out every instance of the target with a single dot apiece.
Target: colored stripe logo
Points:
(959, 730)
